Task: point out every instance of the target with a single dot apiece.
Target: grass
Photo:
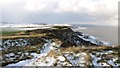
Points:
(60, 27)
(22, 36)
(70, 49)
(53, 54)
(91, 50)
(8, 32)
(88, 57)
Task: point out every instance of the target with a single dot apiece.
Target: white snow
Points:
(110, 51)
(21, 63)
(7, 55)
(106, 43)
(11, 54)
(0, 49)
(95, 59)
(76, 59)
(111, 62)
(26, 53)
(83, 53)
(61, 58)
(34, 54)
(114, 59)
(47, 61)
(92, 37)
(104, 64)
(94, 40)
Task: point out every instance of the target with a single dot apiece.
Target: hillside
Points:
(56, 46)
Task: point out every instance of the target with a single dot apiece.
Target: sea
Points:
(105, 33)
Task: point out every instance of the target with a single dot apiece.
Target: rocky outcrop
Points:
(70, 38)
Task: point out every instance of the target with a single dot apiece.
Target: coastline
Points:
(68, 42)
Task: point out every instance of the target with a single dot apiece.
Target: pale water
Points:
(105, 33)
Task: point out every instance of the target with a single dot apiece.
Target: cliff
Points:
(56, 42)
(69, 37)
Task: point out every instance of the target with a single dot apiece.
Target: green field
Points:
(8, 31)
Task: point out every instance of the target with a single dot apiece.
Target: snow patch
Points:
(21, 63)
(61, 58)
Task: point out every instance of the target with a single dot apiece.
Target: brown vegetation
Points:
(88, 57)
(21, 36)
(52, 54)
(87, 49)
(70, 49)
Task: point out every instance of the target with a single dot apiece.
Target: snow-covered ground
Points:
(100, 60)
(47, 47)
(76, 59)
(43, 59)
(63, 59)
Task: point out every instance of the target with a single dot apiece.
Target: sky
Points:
(98, 12)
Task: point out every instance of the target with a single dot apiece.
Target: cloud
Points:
(61, 11)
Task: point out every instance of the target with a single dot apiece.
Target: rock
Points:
(79, 33)
(66, 44)
(68, 36)
(71, 37)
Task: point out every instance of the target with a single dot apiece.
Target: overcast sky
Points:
(101, 12)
